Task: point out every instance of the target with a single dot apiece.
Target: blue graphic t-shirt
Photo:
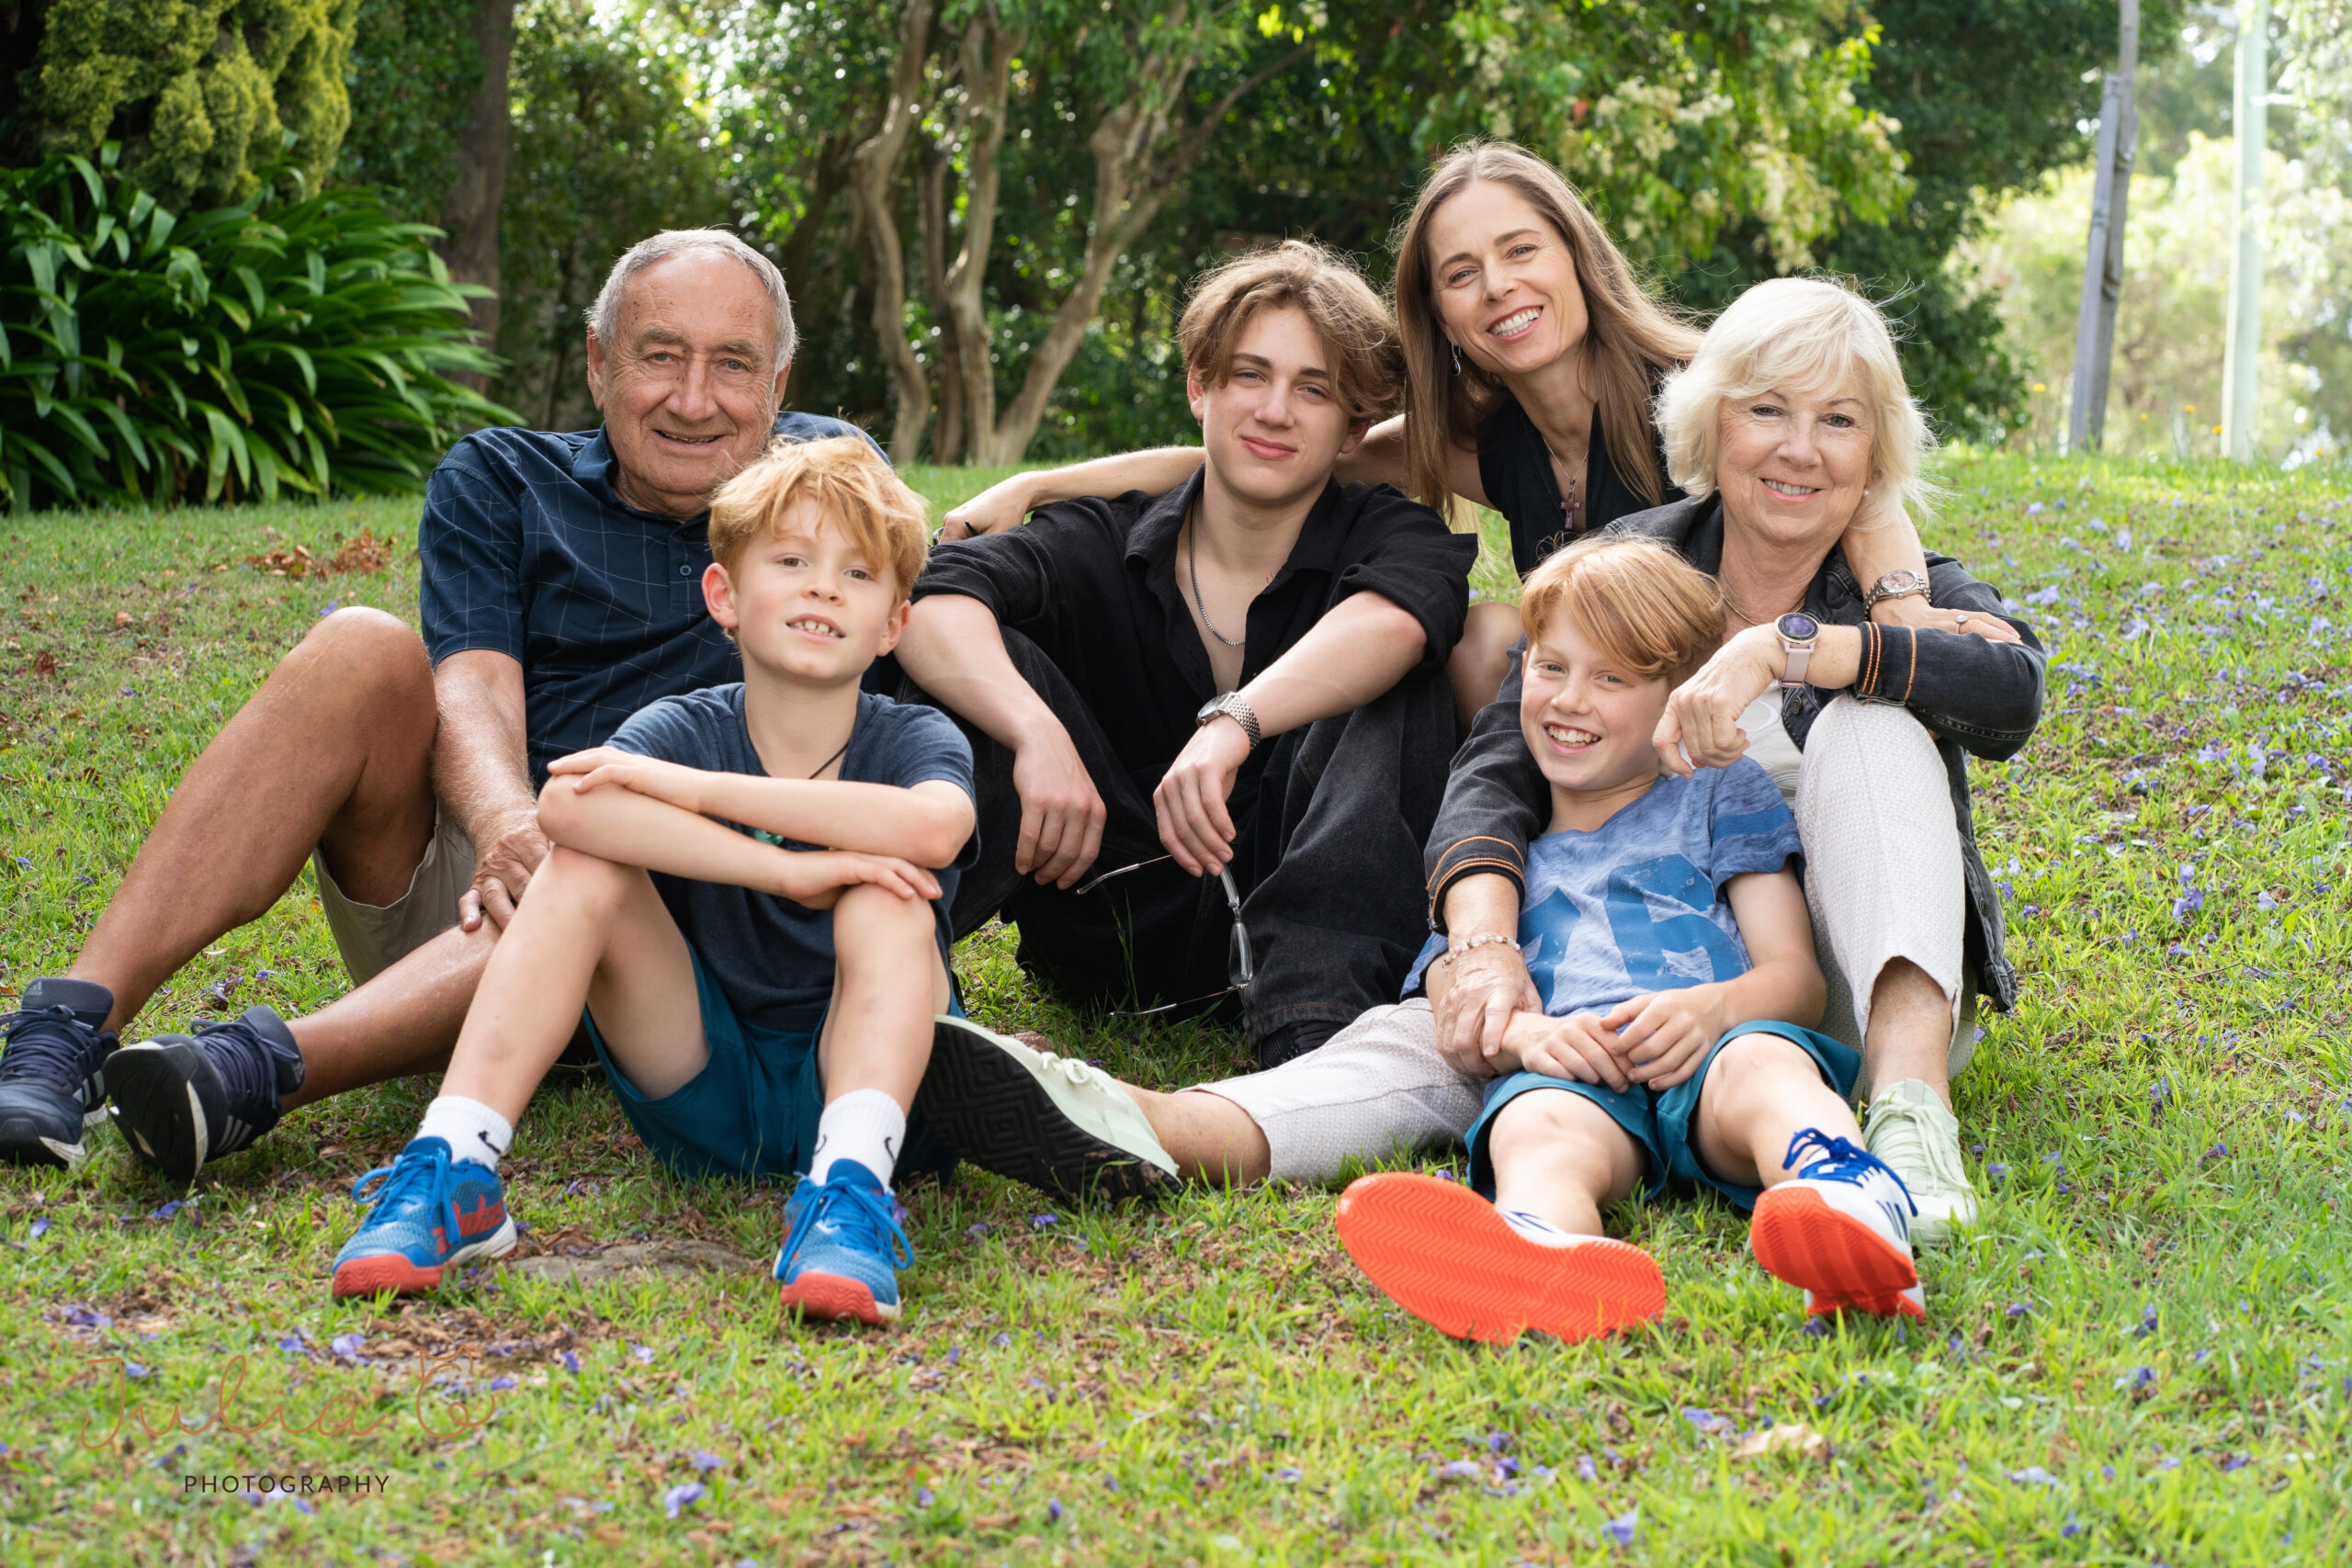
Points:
(1638, 906)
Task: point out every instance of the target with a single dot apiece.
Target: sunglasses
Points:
(1239, 968)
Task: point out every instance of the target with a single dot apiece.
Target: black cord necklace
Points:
(836, 756)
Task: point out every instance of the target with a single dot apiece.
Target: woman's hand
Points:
(1665, 1035)
(1487, 985)
(1914, 610)
(815, 879)
(1000, 506)
(1702, 715)
(603, 765)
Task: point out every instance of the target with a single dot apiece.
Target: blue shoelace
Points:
(866, 1215)
(1841, 1161)
(44, 1043)
(420, 1179)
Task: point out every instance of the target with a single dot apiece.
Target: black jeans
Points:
(1328, 857)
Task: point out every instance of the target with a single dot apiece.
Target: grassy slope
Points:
(2143, 1355)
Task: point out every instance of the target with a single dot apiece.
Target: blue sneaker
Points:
(181, 1100)
(431, 1213)
(1841, 1231)
(841, 1239)
(53, 1076)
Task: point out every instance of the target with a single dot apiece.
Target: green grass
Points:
(2143, 1355)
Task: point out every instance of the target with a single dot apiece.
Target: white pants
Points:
(1882, 879)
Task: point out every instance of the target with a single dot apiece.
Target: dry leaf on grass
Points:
(1794, 1437)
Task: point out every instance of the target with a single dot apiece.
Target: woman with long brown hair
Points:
(1532, 356)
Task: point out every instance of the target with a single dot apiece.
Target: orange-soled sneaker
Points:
(431, 1215)
(1841, 1231)
(1450, 1258)
(842, 1247)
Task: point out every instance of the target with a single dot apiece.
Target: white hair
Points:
(605, 315)
(1809, 334)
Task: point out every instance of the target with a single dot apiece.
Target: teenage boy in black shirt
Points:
(1244, 675)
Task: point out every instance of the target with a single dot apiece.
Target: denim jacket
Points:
(1973, 695)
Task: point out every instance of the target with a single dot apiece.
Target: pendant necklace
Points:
(1194, 558)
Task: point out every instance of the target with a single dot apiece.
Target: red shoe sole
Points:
(1444, 1254)
(832, 1296)
(1800, 1238)
(374, 1276)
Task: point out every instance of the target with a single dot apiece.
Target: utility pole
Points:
(2118, 135)
(2248, 120)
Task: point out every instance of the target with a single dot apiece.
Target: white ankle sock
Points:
(1542, 1232)
(472, 1130)
(866, 1125)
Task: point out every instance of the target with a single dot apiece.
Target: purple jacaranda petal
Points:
(1039, 1222)
(1584, 1470)
(1289, 1472)
(2033, 1475)
(1461, 1469)
(706, 1461)
(1001, 1340)
(682, 1497)
(977, 1232)
(1704, 1419)
(1054, 1510)
(133, 1370)
(571, 1362)
(1621, 1528)
(41, 1229)
(923, 1498)
(502, 1383)
(640, 1352)
(347, 1346)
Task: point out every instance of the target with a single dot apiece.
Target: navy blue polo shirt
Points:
(527, 551)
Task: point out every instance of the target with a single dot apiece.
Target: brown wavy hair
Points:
(1631, 340)
(1322, 285)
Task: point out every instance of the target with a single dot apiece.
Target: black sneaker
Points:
(1051, 1122)
(181, 1100)
(53, 1074)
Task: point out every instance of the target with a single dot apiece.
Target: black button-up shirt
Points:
(529, 551)
(1094, 583)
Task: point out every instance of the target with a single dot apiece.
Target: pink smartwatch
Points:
(1798, 632)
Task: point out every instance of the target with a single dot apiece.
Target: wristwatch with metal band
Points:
(1228, 704)
(1894, 585)
(1798, 632)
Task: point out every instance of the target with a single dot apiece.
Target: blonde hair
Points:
(1644, 606)
(1811, 333)
(1357, 330)
(1630, 339)
(849, 484)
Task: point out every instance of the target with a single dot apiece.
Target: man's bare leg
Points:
(1211, 1138)
(334, 751)
(404, 1021)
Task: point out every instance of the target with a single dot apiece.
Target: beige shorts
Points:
(373, 937)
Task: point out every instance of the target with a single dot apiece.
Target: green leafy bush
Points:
(150, 357)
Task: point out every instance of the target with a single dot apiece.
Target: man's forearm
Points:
(481, 769)
(954, 650)
(1356, 652)
(1154, 470)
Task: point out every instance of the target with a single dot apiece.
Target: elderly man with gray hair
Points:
(562, 591)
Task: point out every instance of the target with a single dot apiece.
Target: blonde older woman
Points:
(1790, 426)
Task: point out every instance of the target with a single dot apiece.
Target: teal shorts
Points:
(752, 1109)
(1659, 1121)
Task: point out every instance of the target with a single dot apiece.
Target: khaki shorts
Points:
(373, 937)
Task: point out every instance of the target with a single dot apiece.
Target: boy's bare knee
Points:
(869, 917)
(1547, 1120)
(579, 878)
(1748, 1057)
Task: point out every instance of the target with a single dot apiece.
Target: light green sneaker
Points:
(1912, 1131)
(1051, 1122)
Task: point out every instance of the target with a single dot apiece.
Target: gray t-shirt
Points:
(774, 958)
(1638, 905)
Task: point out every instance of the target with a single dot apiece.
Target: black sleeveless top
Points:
(1515, 467)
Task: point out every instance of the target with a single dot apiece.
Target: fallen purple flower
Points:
(2034, 1475)
(1705, 1420)
(1585, 1471)
(1289, 1472)
(571, 1362)
(347, 1346)
(923, 1498)
(640, 1352)
(706, 1461)
(1039, 1222)
(976, 1232)
(685, 1496)
(502, 1383)
(1054, 1510)
(1621, 1528)
(1460, 1469)
(41, 1229)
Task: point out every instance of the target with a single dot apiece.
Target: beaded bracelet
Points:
(1486, 939)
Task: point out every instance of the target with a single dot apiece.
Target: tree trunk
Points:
(874, 187)
(937, 169)
(1142, 152)
(471, 216)
(987, 50)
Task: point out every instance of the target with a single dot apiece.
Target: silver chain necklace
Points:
(1193, 558)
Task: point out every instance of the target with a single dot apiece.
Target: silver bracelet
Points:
(1486, 939)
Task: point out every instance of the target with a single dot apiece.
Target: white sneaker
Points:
(1051, 1122)
(1919, 1140)
(1841, 1231)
